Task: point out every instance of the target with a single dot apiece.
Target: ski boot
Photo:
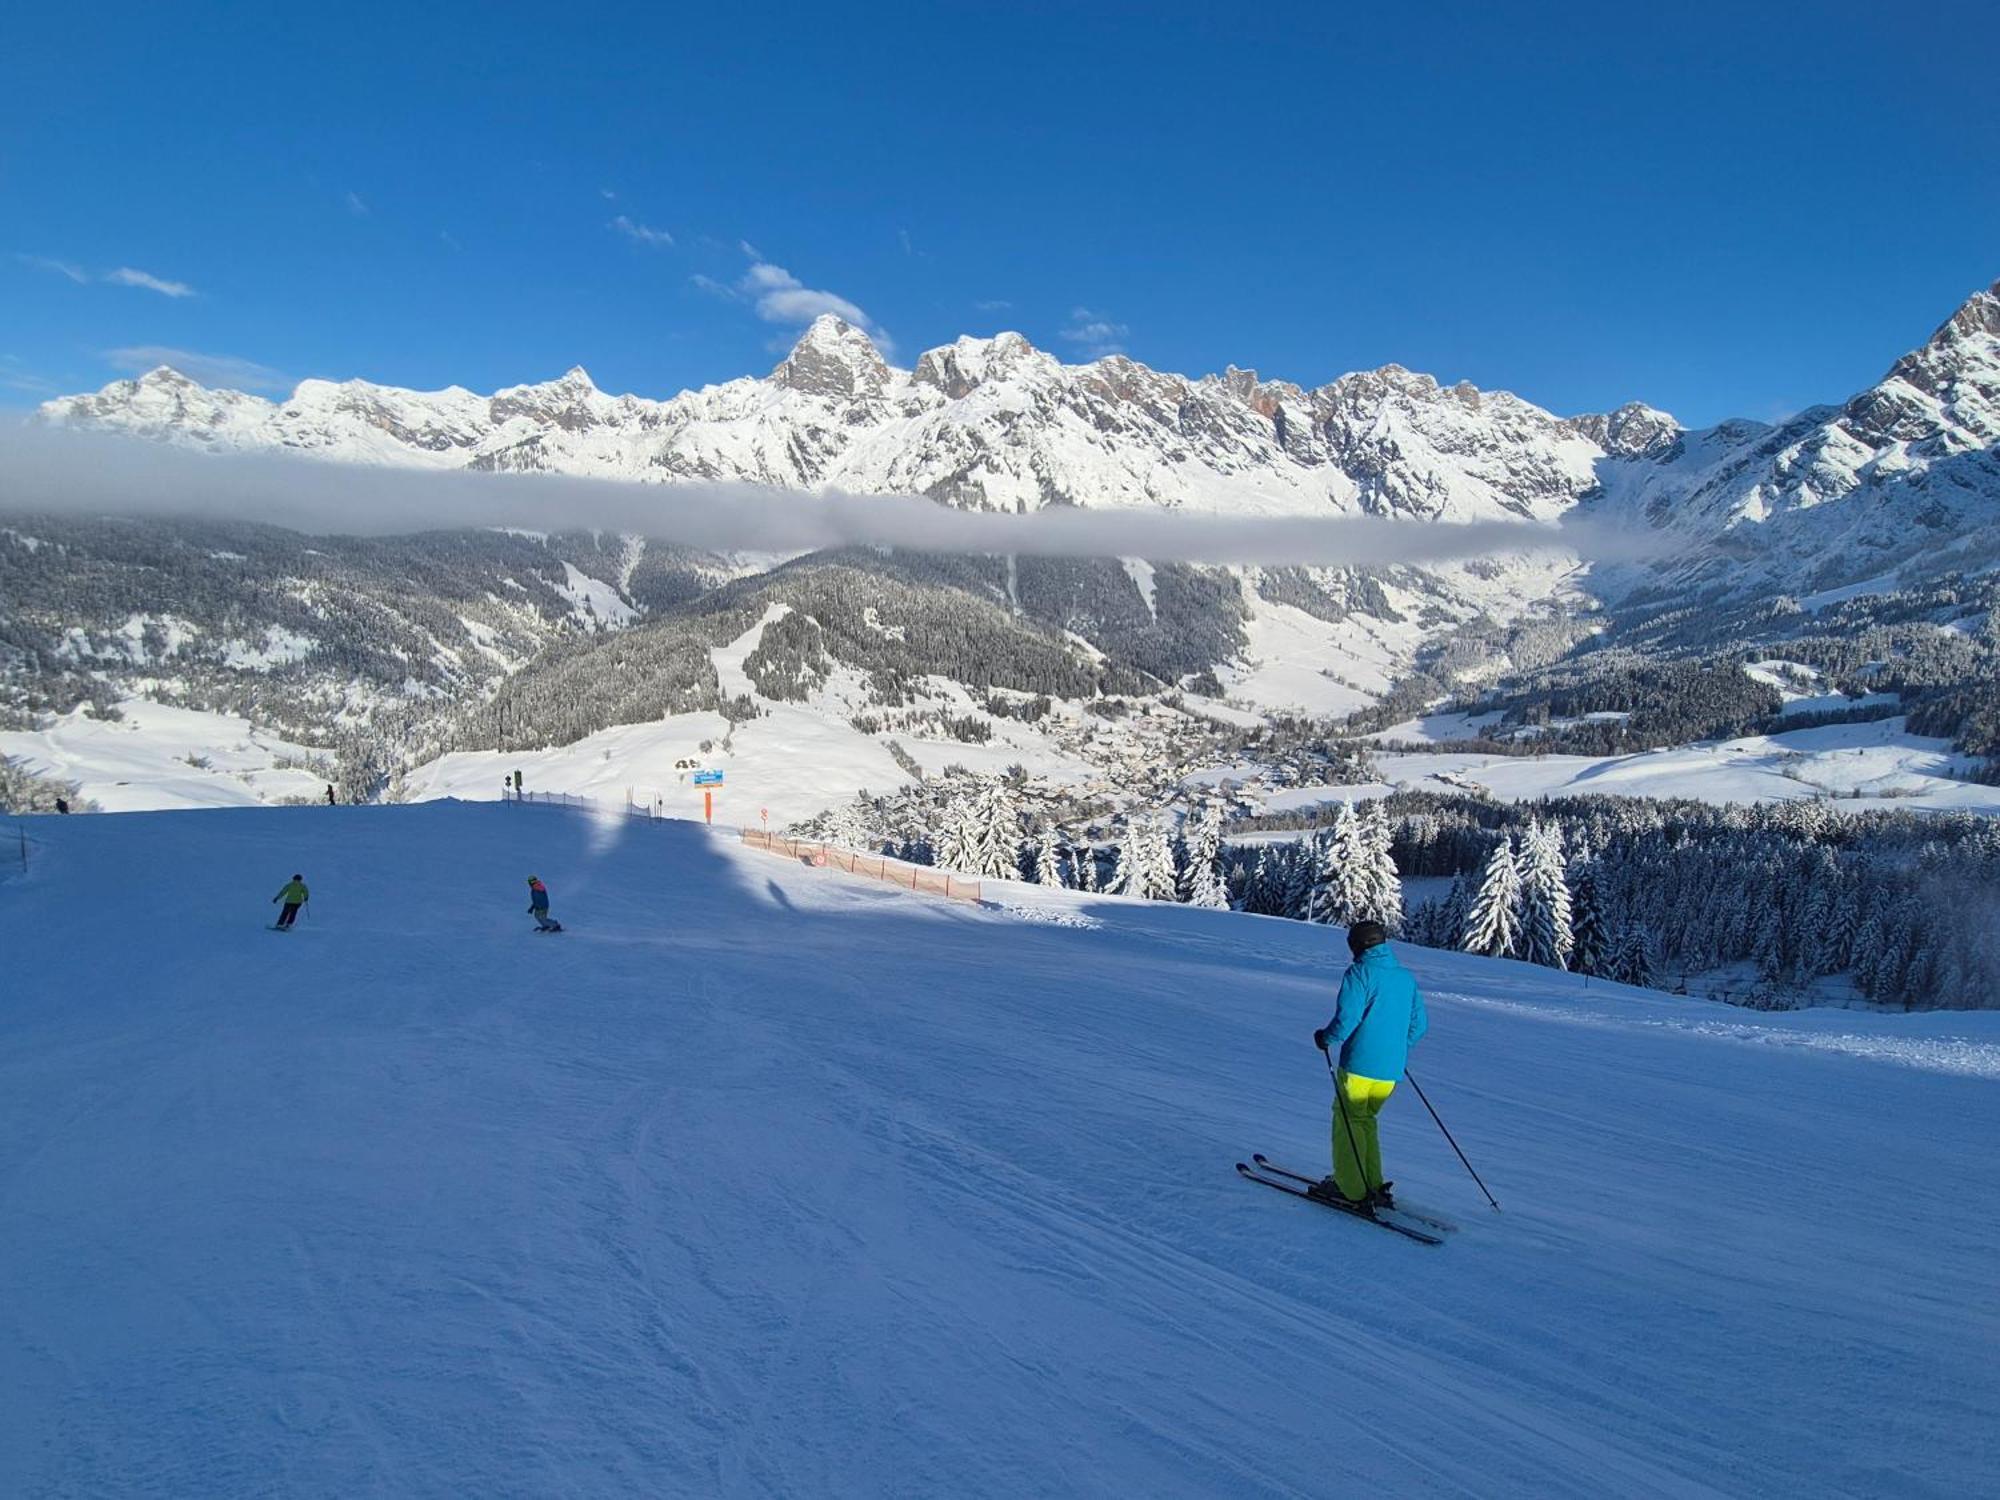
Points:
(1328, 1191)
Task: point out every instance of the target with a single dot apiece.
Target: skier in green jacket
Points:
(294, 896)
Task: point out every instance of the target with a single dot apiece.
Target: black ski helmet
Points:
(1365, 935)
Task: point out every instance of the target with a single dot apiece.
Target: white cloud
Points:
(1095, 333)
(780, 297)
(356, 205)
(224, 370)
(641, 234)
(60, 267)
(126, 276)
(997, 304)
(81, 472)
(123, 276)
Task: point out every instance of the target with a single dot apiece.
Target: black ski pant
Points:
(286, 916)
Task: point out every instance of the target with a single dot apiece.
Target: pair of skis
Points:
(1422, 1228)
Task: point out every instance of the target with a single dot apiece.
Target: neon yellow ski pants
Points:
(1357, 1144)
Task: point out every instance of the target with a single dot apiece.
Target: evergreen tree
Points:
(1300, 874)
(1202, 880)
(1546, 936)
(1493, 925)
(1086, 868)
(1380, 889)
(1236, 884)
(951, 844)
(1592, 949)
(1128, 870)
(1046, 870)
(1340, 881)
(1158, 864)
(995, 834)
(1633, 962)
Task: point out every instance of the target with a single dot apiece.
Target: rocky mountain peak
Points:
(1949, 388)
(961, 367)
(1635, 430)
(835, 360)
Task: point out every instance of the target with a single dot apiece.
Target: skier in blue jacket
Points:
(1378, 1018)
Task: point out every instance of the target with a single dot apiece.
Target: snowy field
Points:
(1877, 764)
(159, 757)
(763, 1181)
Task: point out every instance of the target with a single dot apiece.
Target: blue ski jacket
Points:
(1378, 1018)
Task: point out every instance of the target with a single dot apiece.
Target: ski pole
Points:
(1354, 1145)
(1448, 1136)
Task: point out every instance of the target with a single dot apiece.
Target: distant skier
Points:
(1377, 1019)
(329, 794)
(294, 896)
(538, 906)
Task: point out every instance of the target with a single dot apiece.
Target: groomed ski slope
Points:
(760, 1180)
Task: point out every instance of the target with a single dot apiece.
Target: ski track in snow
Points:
(763, 1181)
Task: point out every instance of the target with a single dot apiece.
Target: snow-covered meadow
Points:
(760, 1180)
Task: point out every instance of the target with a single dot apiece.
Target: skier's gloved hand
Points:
(1319, 1039)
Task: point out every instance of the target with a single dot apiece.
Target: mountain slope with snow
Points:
(761, 1181)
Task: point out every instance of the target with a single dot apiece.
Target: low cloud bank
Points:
(73, 473)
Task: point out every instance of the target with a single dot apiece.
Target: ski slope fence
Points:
(922, 879)
(925, 880)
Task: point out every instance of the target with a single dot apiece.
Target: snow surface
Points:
(143, 761)
(765, 1181)
(1876, 764)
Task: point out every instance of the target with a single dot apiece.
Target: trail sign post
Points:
(708, 778)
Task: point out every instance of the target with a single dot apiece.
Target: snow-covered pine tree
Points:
(996, 834)
(1381, 893)
(949, 843)
(1159, 862)
(1203, 883)
(1257, 897)
(1046, 870)
(1300, 874)
(1592, 948)
(1128, 870)
(1547, 936)
(1086, 867)
(1493, 925)
(1340, 882)
(1236, 883)
(1633, 961)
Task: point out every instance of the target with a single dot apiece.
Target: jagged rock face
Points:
(1905, 473)
(997, 424)
(1635, 430)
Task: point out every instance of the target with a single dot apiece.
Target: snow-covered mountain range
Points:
(995, 423)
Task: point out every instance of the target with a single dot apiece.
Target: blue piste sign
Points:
(708, 778)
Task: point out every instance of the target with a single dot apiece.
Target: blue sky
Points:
(1737, 209)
